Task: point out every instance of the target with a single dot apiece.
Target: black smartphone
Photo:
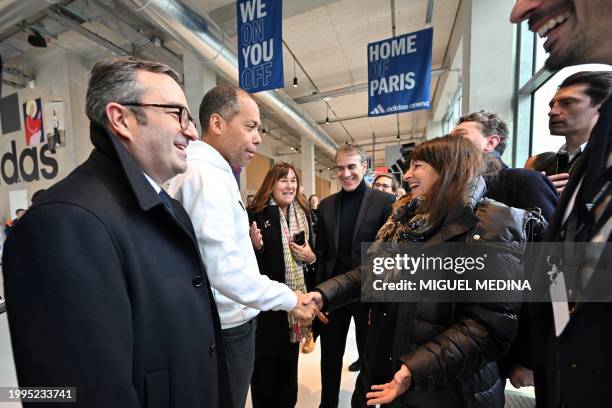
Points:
(299, 238)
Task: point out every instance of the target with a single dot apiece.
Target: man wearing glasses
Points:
(386, 183)
(230, 120)
(119, 307)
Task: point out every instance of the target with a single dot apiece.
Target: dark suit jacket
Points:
(376, 207)
(550, 166)
(272, 326)
(574, 369)
(524, 189)
(106, 292)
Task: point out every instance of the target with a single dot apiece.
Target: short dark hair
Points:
(222, 100)
(599, 84)
(115, 80)
(394, 184)
(491, 123)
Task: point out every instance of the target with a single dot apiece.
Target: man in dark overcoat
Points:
(571, 337)
(119, 307)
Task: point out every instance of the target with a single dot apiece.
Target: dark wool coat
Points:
(376, 207)
(106, 292)
(272, 326)
(573, 370)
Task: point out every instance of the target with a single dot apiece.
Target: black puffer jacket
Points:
(450, 348)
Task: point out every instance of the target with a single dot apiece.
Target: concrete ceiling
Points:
(328, 38)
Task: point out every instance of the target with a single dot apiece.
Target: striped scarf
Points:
(294, 273)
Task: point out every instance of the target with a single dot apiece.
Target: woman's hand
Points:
(303, 253)
(385, 393)
(323, 318)
(256, 238)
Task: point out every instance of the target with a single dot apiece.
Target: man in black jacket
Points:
(518, 188)
(120, 306)
(574, 111)
(346, 220)
(572, 340)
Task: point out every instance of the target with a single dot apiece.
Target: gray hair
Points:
(116, 80)
(491, 123)
(351, 150)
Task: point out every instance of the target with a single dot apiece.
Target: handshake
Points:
(308, 307)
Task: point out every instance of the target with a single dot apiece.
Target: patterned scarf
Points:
(294, 273)
(406, 224)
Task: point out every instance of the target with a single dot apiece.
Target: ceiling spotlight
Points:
(37, 40)
(294, 75)
(398, 137)
(327, 120)
(263, 131)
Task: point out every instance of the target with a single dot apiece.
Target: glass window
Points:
(542, 141)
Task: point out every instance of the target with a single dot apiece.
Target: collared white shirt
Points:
(209, 193)
(153, 183)
(573, 153)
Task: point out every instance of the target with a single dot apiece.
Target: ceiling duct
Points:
(193, 32)
(13, 12)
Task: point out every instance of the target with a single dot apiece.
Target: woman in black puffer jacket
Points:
(441, 354)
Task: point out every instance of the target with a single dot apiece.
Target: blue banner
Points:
(260, 48)
(399, 73)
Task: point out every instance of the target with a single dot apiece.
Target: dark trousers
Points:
(239, 344)
(333, 343)
(275, 380)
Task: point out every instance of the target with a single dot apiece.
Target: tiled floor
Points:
(309, 377)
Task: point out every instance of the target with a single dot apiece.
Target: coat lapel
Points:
(336, 208)
(363, 209)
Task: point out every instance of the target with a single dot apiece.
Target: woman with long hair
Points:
(438, 354)
(283, 249)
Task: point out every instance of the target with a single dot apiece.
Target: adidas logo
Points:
(378, 110)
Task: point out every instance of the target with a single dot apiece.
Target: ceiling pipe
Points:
(193, 32)
(12, 12)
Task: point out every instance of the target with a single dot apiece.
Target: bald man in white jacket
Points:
(209, 192)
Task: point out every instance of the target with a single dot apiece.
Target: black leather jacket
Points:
(450, 348)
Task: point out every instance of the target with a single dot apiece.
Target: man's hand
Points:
(521, 377)
(559, 181)
(256, 238)
(386, 393)
(306, 308)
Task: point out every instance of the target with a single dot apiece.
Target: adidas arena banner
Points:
(399, 73)
(260, 49)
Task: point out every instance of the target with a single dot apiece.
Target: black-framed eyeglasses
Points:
(378, 185)
(183, 112)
